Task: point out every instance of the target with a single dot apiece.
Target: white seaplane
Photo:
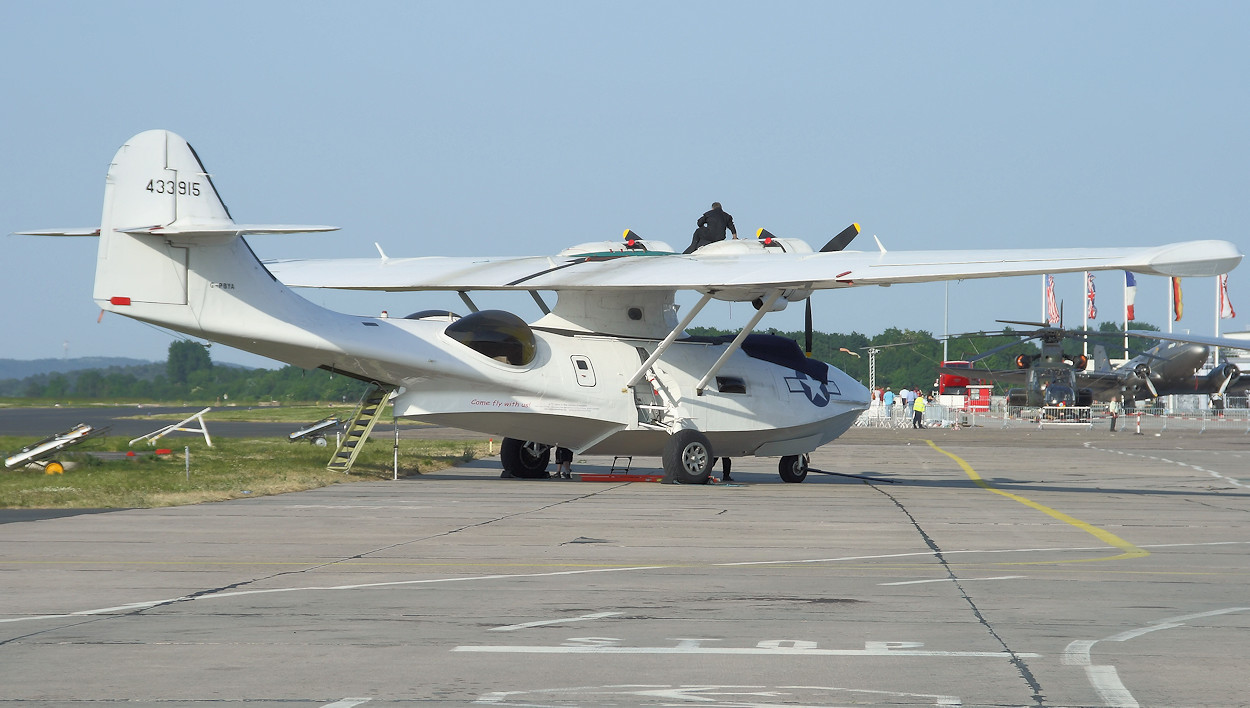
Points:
(607, 370)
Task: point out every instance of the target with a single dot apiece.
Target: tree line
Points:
(189, 374)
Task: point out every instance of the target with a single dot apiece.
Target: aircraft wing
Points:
(743, 267)
(1222, 342)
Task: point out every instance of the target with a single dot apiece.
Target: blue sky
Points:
(492, 128)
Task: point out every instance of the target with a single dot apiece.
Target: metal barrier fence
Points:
(1146, 420)
(936, 415)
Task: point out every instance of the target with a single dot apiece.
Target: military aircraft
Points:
(1053, 378)
(606, 370)
(1168, 368)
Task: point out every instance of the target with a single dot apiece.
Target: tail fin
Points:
(1101, 361)
(158, 201)
(170, 254)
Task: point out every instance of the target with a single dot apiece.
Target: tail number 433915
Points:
(169, 186)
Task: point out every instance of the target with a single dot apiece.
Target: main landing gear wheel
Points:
(793, 468)
(54, 468)
(524, 459)
(688, 458)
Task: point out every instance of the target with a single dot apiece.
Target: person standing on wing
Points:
(712, 227)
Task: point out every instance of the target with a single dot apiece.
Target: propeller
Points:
(1231, 374)
(842, 240)
(837, 243)
(807, 326)
(1143, 372)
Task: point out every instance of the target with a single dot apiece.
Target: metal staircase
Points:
(358, 429)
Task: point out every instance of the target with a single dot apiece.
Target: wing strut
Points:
(664, 345)
(467, 302)
(737, 342)
(538, 299)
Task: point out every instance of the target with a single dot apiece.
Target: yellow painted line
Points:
(1128, 549)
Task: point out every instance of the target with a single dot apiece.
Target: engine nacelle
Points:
(1224, 372)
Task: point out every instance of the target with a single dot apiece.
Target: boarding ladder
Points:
(358, 429)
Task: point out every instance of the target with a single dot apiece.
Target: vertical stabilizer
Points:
(155, 183)
(171, 255)
(1101, 361)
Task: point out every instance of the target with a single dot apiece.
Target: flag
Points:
(1177, 306)
(1130, 295)
(1052, 311)
(1089, 295)
(1226, 307)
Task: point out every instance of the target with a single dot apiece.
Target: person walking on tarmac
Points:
(712, 227)
(917, 417)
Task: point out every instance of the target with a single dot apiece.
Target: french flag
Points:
(1130, 294)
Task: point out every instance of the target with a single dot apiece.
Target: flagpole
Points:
(1045, 314)
(1125, 311)
(1216, 352)
(1085, 345)
(946, 324)
(1171, 303)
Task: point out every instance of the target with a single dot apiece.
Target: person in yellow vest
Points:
(917, 416)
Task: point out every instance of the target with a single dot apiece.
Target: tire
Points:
(54, 468)
(793, 468)
(524, 459)
(688, 458)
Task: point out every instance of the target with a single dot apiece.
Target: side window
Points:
(582, 369)
(730, 384)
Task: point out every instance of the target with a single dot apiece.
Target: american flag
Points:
(1052, 311)
(1130, 294)
(1089, 295)
(1226, 307)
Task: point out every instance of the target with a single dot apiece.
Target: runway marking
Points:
(928, 554)
(347, 703)
(772, 647)
(1127, 549)
(694, 694)
(948, 580)
(1213, 473)
(542, 623)
(1103, 678)
(360, 586)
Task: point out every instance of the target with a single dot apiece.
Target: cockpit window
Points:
(499, 335)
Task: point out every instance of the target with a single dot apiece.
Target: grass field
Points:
(291, 413)
(231, 469)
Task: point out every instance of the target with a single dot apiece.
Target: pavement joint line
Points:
(1127, 549)
(1016, 659)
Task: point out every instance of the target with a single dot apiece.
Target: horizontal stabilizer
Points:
(224, 229)
(86, 231)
